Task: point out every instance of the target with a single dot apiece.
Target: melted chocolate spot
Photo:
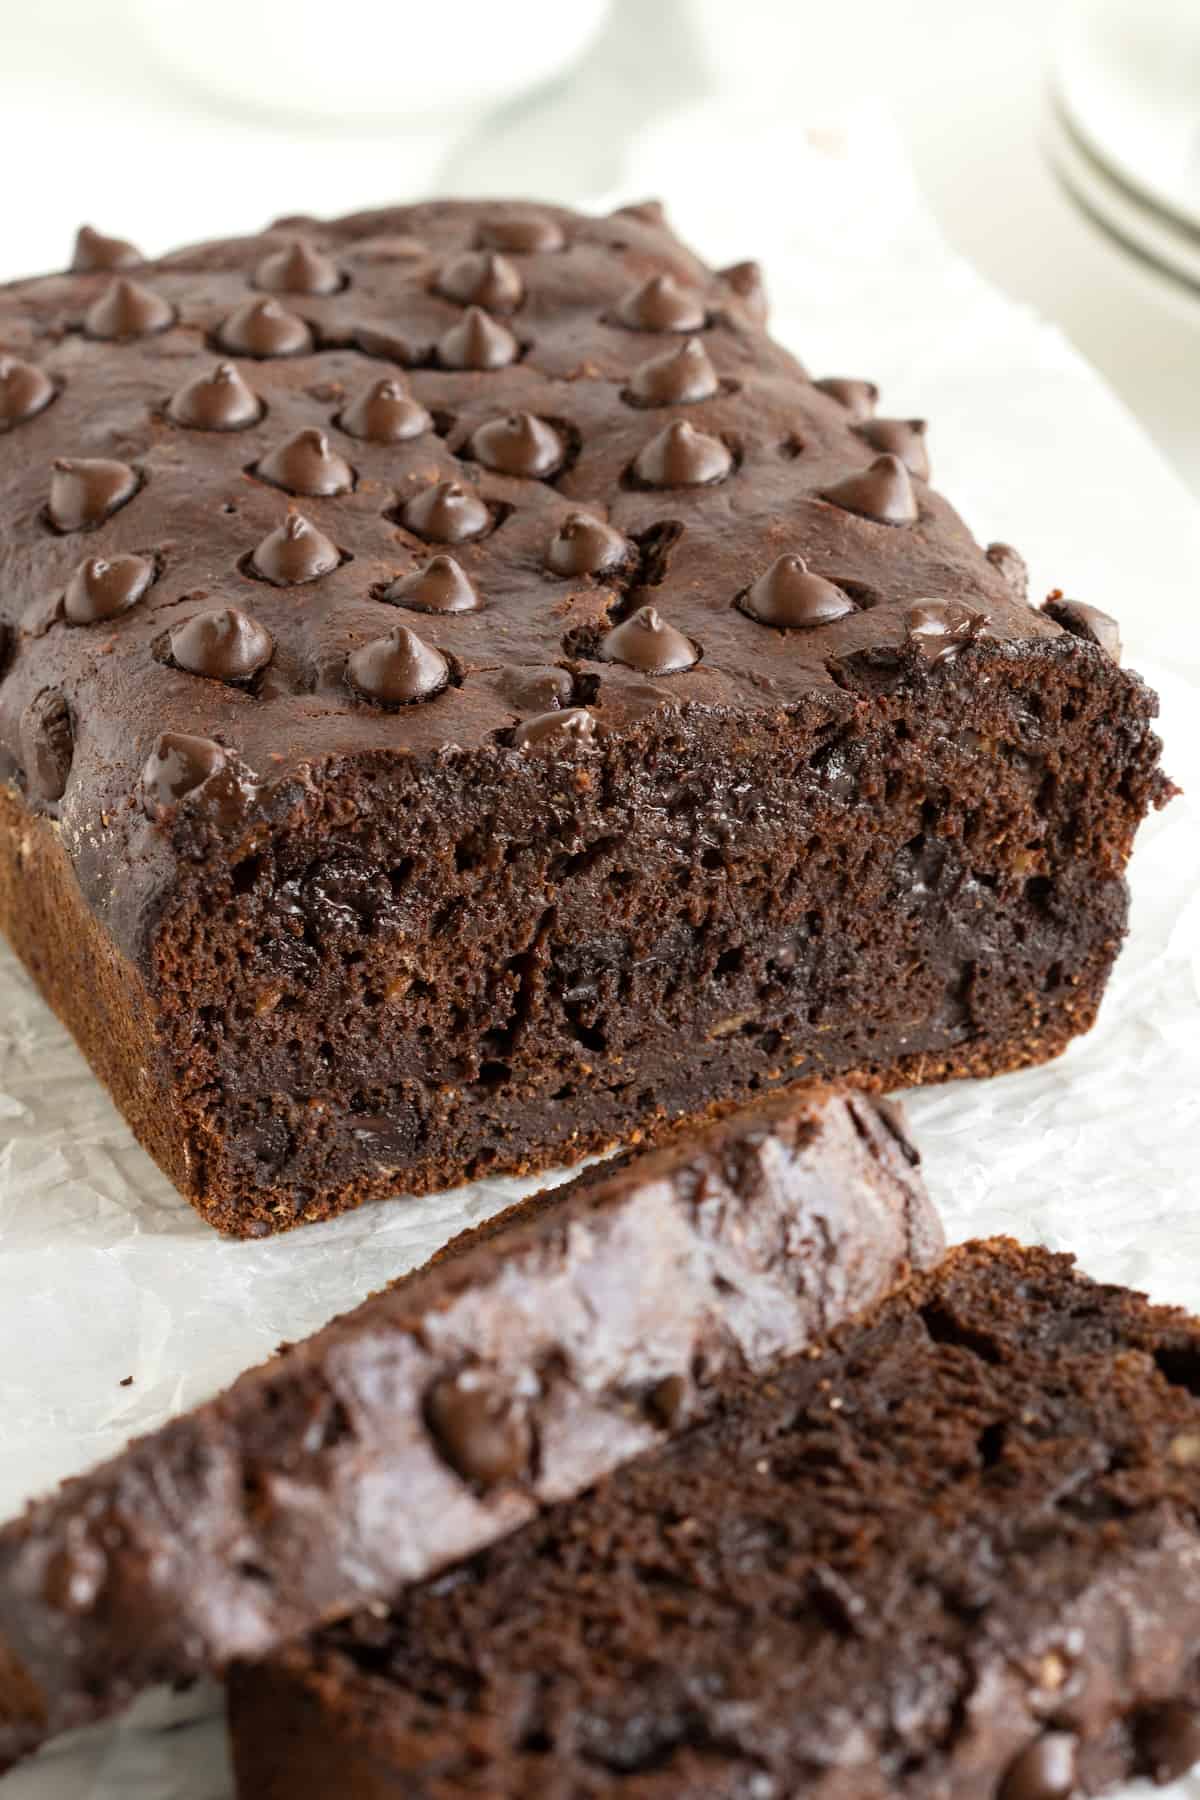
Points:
(218, 401)
(477, 342)
(788, 596)
(442, 586)
(556, 730)
(678, 378)
(645, 642)
(84, 491)
(176, 766)
(883, 492)
(307, 464)
(482, 278)
(297, 268)
(681, 456)
(263, 328)
(397, 670)
(519, 444)
(447, 513)
(295, 552)
(583, 545)
(660, 304)
(483, 1432)
(385, 414)
(860, 398)
(939, 629)
(222, 644)
(103, 588)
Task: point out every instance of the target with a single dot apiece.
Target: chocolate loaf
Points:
(955, 1556)
(468, 695)
(527, 1360)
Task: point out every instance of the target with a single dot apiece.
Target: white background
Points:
(759, 144)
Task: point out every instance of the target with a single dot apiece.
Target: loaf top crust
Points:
(181, 412)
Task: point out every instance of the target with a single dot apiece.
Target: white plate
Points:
(1154, 248)
(1128, 78)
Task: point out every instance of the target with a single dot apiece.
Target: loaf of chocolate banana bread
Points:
(467, 695)
(956, 1556)
(528, 1359)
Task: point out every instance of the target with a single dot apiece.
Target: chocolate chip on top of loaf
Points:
(843, 801)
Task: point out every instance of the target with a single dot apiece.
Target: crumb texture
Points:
(956, 1555)
(529, 1359)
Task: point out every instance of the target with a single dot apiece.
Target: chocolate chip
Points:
(25, 391)
(882, 492)
(647, 643)
(860, 398)
(447, 513)
(522, 234)
(1087, 622)
(263, 328)
(477, 342)
(678, 378)
(788, 596)
(382, 340)
(176, 766)
(746, 280)
(385, 414)
(105, 587)
(479, 1428)
(442, 586)
(294, 552)
(482, 278)
(217, 401)
(650, 212)
(297, 268)
(681, 456)
(84, 491)
(47, 744)
(556, 730)
(938, 629)
(397, 670)
(667, 1402)
(1011, 564)
(1168, 1740)
(307, 464)
(660, 304)
(1045, 1770)
(222, 644)
(536, 689)
(519, 444)
(583, 545)
(94, 251)
(904, 438)
(126, 309)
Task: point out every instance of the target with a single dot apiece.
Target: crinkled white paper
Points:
(105, 1274)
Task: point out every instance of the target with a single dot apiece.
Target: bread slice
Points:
(955, 1555)
(528, 1360)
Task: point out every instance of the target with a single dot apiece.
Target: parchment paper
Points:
(105, 1274)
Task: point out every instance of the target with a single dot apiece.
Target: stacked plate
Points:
(1124, 131)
